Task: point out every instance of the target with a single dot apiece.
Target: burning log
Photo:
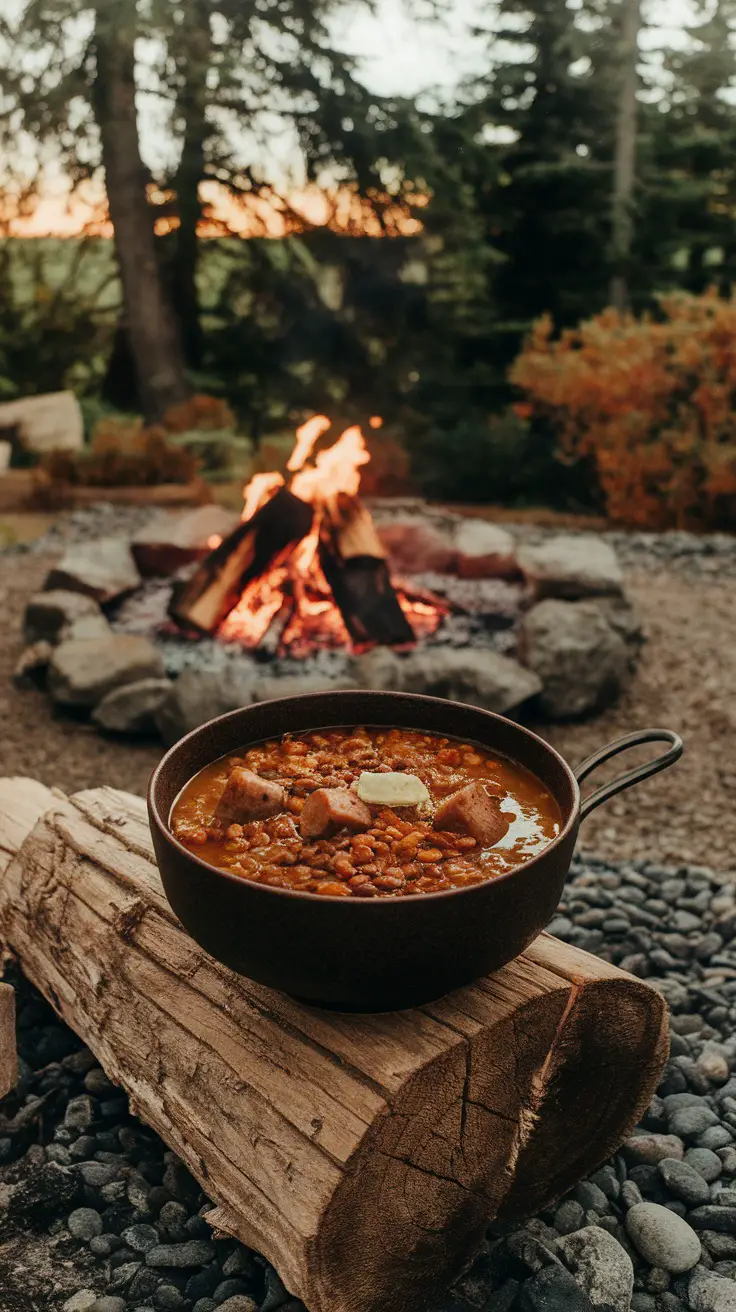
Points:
(353, 561)
(363, 1155)
(208, 596)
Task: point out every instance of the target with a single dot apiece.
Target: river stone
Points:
(48, 614)
(705, 1162)
(581, 662)
(82, 1301)
(486, 551)
(103, 568)
(684, 1182)
(553, 1290)
(173, 539)
(571, 567)
(200, 695)
(478, 678)
(84, 1223)
(662, 1238)
(82, 672)
(132, 708)
(193, 1253)
(708, 1292)
(689, 1122)
(600, 1266)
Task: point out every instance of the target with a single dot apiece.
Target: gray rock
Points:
(624, 619)
(84, 1223)
(708, 1292)
(485, 550)
(719, 1245)
(568, 1217)
(715, 1217)
(201, 695)
(572, 567)
(689, 1122)
(684, 1181)
(103, 569)
(478, 678)
(79, 1113)
(239, 1303)
(649, 1149)
(600, 1266)
(109, 1303)
(140, 1238)
(591, 1198)
(717, 1136)
(581, 662)
(705, 1162)
(82, 1301)
(553, 1290)
(48, 614)
(265, 690)
(132, 708)
(169, 1299)
(87, 626)
(662, 1238)
(193, 1253)
(98, 1174)
(81, 673)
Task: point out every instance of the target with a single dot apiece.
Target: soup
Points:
(365, 813)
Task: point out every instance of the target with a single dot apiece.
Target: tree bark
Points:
(8, 1052)
(363, 1155)
(191, 107)
(624, 165)
(148, 314)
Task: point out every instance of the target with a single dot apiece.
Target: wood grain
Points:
(363, 1155)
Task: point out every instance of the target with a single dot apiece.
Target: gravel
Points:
(659, 1216)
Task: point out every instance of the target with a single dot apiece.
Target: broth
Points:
(481, 814)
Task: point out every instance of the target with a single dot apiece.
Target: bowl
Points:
(381, 954)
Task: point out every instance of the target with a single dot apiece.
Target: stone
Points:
(109, 1303)
(624, 619)
(239, 1303)
(714, 1065)
(140, 1238)
(600, 1266)
(553, 1290)
(132, 708)
(82, 673)
(414, 547)
(169, 1299)
(267, 689)
(485, 551)
(715, 1217)
(649, 1149)
(49, 614)
(82, 1301)
(705, 1162)
(719, 1245)
(689, 1122)
(79, 1112)
(84, 1223)
(581, 662)
(568, 1217)
(51, 421)
(192, 1253)
(173, 539)
(87, 626)
(708, 1292)
(476, 677)
(201, 695)
(684, 1181)
(571, 567)
(103, 569)
(32, 664)
(662, 1238)
(47, 1191)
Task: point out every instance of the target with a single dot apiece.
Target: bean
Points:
(361, 854)
(411, 870)
(448, 756)
(234, 831)
(465, 843)
(388, 881)
(296, 804)
(332, 890)
(371, 869)
(197, 837)
(364, 890)
(358, 881)
(429, 855)
(343, 867)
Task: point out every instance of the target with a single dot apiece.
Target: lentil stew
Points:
(290, 813)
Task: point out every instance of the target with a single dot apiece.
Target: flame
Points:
(257, 492)
(375, 421)
(294, 595)
(306, 437)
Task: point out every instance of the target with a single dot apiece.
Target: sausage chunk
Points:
(248, 797)
(473, 811)
(329, 809)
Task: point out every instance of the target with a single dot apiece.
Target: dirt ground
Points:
(686, 681)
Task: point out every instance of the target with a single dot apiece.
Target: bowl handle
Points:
(617, 785)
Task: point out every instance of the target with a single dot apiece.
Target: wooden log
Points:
(363, 1155)
(8, 1051)
(219, 580)
(353, 561)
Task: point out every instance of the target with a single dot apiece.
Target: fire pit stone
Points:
(572, 566)
(104, 569)
(49, 614)
(485, 551)
(131, 709)
(479, 677)
(172, 540)
(84, 670)
(581, 662)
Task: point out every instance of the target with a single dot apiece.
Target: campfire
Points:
(305, 568)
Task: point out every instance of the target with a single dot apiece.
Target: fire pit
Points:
(311, 588)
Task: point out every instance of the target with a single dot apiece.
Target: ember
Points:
(305, 569)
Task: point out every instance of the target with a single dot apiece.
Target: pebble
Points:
(84, 1223)
(79, 1113)
(568, 1217)
(690, 1122)
(194, 1252)
(553, 1290)
(662, 1237)
(600, 1266)
(705, 1162)
(715, 1218)
(82, 1301)
(649, 1149)
(708, 1292)
(239, 1303)
(684, 1181)
(109, 1303)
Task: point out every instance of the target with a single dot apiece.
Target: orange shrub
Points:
(651, 400)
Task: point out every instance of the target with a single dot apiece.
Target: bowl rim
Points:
(169, 837)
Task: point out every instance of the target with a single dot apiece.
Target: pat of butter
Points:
(392, 789)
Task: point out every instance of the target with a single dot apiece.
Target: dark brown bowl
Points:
(384, 954)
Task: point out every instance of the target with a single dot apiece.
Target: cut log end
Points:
(8, 1051)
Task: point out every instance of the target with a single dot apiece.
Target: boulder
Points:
(132, 708)
(477, 677)
(600, 1266)
(414, 547)
(201, 695)
(171, 540)
(571, 566)
(485, 551)
(84, 670)
(49, 614)
(103, 569)
(580, 661)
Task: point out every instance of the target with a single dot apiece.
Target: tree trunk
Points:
(191, 105)
(149, 317)
(363, 1155)
(624, 166)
